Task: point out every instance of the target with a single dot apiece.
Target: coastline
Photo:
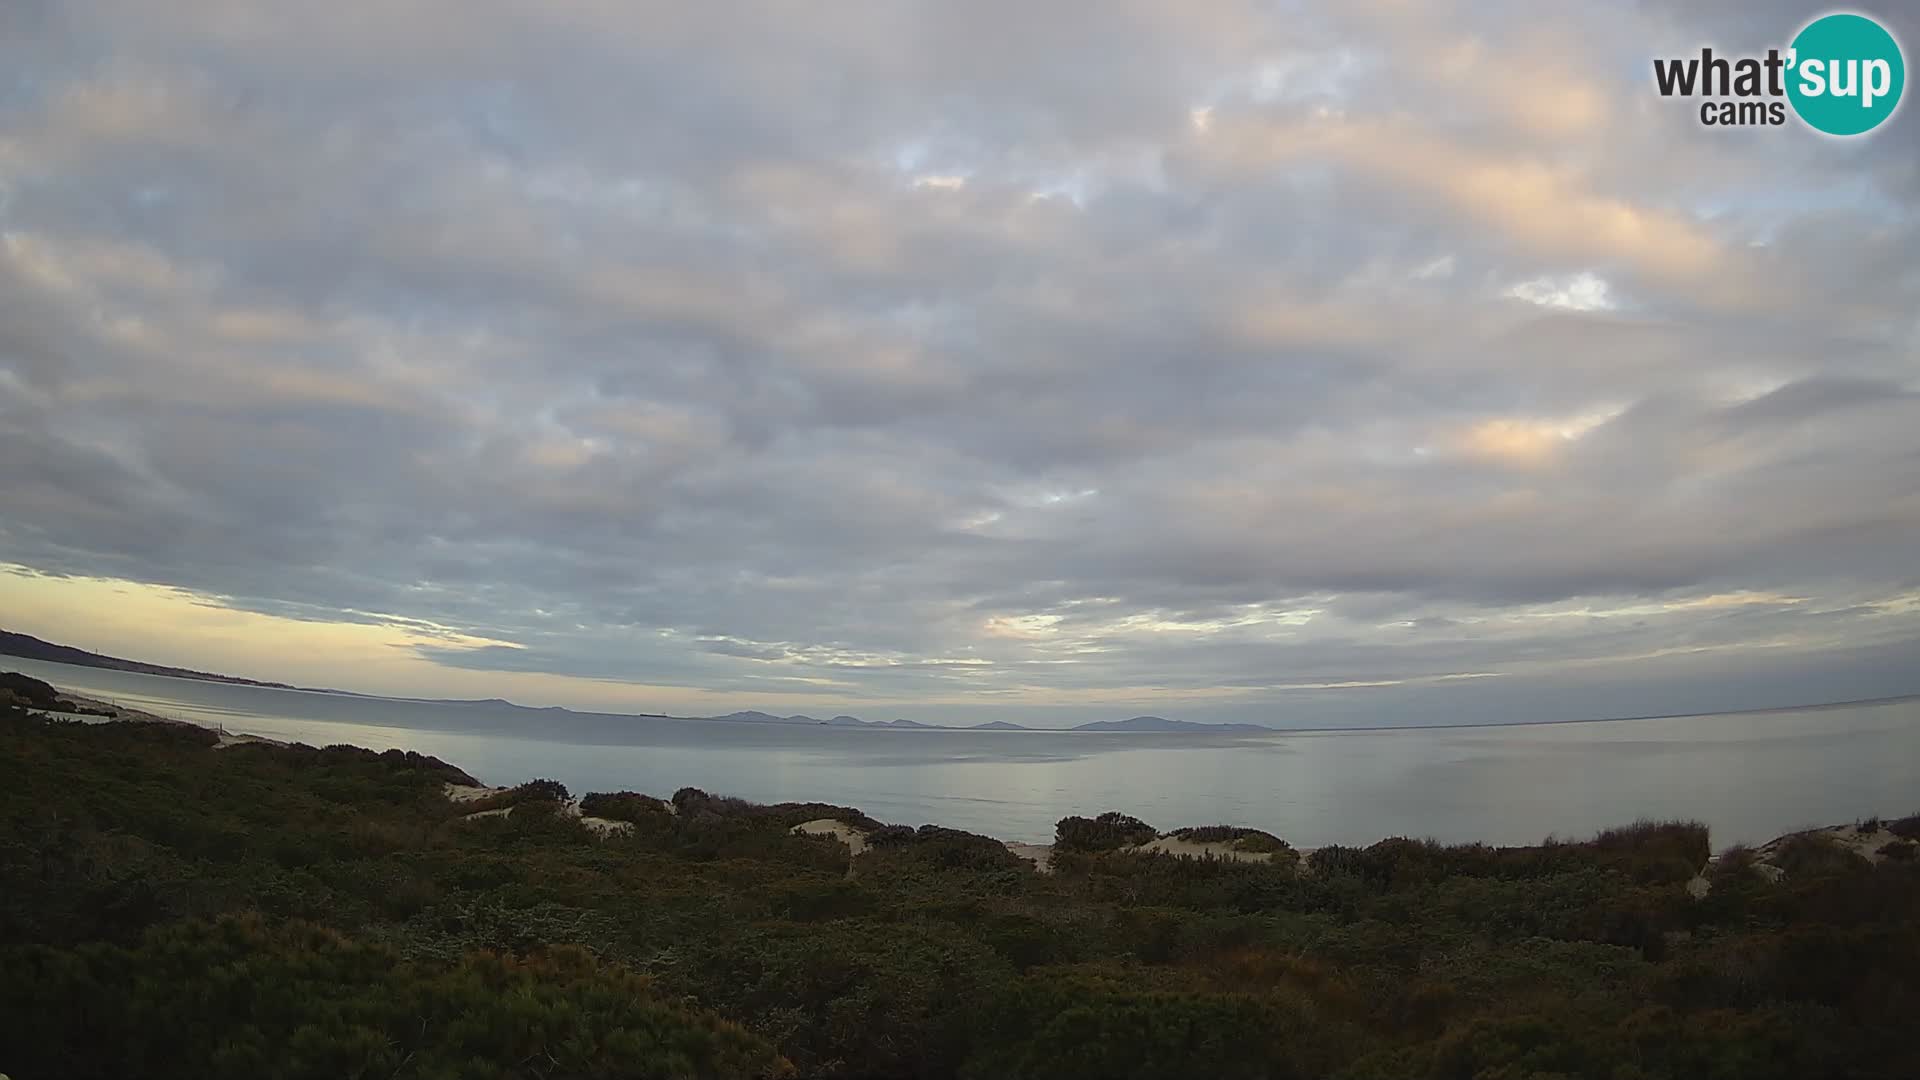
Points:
(1186, 728)
(1863, 838)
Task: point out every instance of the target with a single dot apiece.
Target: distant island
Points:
(1161, 723)
(1133, 724)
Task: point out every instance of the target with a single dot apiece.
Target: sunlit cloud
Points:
(1387, 361)
(1584, 291)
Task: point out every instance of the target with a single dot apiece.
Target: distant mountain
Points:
(843, 720)
(12, 644)
(751, 716)
(1161, 723)
(32, 648)
(1138, 723)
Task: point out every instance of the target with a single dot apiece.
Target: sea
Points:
(1750, 776)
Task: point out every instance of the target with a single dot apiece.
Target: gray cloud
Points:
(1363, 365)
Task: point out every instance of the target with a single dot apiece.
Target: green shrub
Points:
(1682, 841)
(541, 790)
(124, 849)
(1241, 837)
(1807, 855)
(1107, 832)
(28, 690)
(623, 806)
(239, 998)
(1261, 843)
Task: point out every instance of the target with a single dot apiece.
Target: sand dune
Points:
(466, 793)
(1224, 849)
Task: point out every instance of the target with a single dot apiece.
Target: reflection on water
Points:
(1751, 776)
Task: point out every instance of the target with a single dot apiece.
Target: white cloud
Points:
(1585, 291)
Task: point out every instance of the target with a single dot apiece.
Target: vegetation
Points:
(265, 911)
(1108, 832)
(24, 690)
(630, 806)
(1240, 838)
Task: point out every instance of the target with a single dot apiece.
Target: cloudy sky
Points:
(1359, 363)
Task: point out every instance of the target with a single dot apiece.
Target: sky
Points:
(1305, 364)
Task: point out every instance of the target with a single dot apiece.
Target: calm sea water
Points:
(1750, 776)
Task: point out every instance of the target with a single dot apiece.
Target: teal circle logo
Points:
(1845, 74)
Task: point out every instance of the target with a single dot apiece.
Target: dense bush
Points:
(1253, 841)
(245, 999)
(1684, 842)
(1646, 853)
(541, 791)
(160, 913)
(1107, 832)
(1812, 855)
(28, 690)
(622, 806)
(24, 690)
(953, 848)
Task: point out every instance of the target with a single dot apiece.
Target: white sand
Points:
(225, 738)
(855, 839)
(1223, 849)
(601, 825)
(466, 793)
(1040, 855)
(229, 739)
(121, 711)
(1867, 845)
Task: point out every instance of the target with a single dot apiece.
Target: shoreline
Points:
(1855, 838)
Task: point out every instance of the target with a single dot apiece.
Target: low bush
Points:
(1242, 838)
(1811, 855)
(29, 690)
(156, 902)
(297, 1000)
(1106, 832)
(539, 790)
(623, 806)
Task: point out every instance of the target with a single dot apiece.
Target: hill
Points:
(1161, 723)
(32, 648)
